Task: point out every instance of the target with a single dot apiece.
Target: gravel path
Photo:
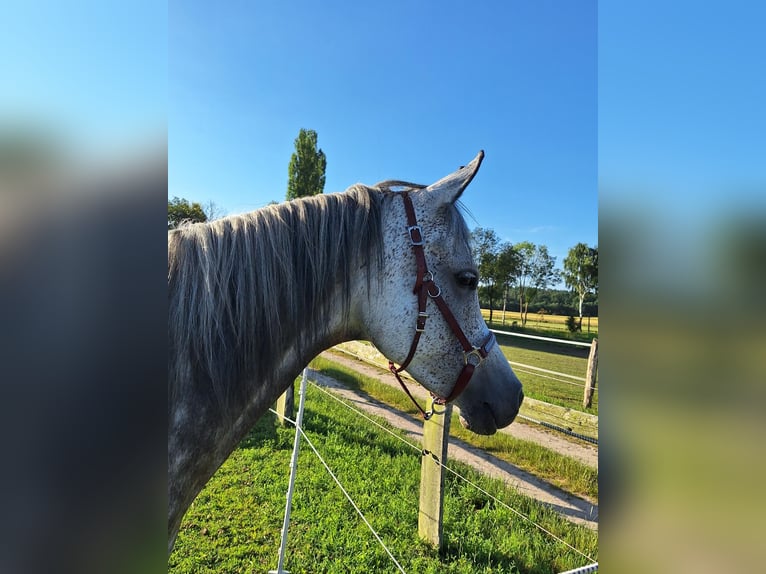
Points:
(579, 450)
(575, 509)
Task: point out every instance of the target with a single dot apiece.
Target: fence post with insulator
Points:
(435, 441)
(590, 376)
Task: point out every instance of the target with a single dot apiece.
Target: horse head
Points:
(426, 257)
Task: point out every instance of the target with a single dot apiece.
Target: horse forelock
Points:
(240, 287)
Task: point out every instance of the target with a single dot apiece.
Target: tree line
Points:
(524, 272)
(305, 177)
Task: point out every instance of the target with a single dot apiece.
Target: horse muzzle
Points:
(493, 398)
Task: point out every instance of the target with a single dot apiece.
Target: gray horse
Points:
(253, 298)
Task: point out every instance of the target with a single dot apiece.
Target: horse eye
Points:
(467, 279)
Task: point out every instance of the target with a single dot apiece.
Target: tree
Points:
(485, 253)
(506, 267)
(212, 210)
(581, 272)
(182, 211)
(306, 172)
(305, 177)
(534, 272)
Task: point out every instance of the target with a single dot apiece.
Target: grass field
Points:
(563, 358)
(561, 471)
(234, 524)
(552, 325)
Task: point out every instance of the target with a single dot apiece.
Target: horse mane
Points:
(238, 286)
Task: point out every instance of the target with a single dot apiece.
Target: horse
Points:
(253, 298)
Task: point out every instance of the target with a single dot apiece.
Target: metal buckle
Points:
(424, 316)
(476, 352)
(413, 228)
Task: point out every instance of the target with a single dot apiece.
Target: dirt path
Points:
(575, 509)
(585, 453)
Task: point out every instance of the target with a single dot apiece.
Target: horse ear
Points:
(451, 187)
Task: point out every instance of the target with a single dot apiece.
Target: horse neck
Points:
(316, 333)
(316, 329)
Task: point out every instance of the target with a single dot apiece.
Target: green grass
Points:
(234, 524)
(561, 471)
(563, 358)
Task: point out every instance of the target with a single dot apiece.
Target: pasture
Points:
(543, 322)
(563, 358)
(234, 524)
(561, 471)
(546, 325)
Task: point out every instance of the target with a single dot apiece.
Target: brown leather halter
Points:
(425, 288)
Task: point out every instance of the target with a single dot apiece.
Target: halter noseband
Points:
(425, 288)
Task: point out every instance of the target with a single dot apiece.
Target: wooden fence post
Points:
(286, 405)
(435, 441)
(590, 376)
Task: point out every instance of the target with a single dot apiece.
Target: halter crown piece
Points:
(425, 288)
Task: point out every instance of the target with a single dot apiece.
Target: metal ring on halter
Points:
(428, 277)
(475, 352)
(438, 291)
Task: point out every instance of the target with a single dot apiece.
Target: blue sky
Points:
(404, 90)
(412, 90)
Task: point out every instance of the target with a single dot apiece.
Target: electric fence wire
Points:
(583, 569)
(521, 515)
(351, 500)
(343, 490)
(561, 429)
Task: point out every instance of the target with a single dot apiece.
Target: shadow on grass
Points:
(265, 431)
(356, 436)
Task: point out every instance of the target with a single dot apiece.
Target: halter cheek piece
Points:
(425, 288)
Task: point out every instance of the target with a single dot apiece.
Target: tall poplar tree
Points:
(305, 177)
(306, 172)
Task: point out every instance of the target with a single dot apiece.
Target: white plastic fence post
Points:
(293, 470)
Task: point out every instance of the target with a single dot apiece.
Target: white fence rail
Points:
(539, 338)
(590, 377)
